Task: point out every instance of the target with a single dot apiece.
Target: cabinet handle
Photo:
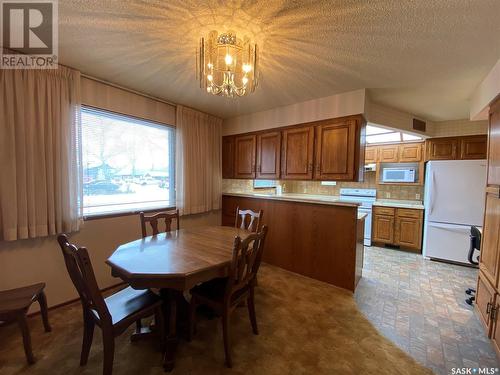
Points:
(310, 167)
(493, 314)
(488, 308)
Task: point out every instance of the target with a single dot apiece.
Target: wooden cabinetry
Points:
(410, 152)
(228, 157)
(297, 153)
(336, 151)
(485, 299)
(244, 156)
(397, 226)
(494, 145)
(388, 154)
(371, 154)
(490, 246)
(268, 155)
(456, 148)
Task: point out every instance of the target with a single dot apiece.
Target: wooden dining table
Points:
(175, 262)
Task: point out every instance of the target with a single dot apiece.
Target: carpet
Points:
(306, 327)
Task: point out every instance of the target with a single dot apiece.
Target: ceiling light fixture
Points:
(227, 65)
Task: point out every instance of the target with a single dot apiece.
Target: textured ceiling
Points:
(422, 56)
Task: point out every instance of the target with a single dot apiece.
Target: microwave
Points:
(401, 174)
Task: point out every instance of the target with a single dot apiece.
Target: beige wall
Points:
(485, 93)
(315, 187)
(457, 127)
(40, 260)
(345, 104)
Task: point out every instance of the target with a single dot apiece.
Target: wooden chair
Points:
(248, 219)
(168, 216)
(14, 305)
(223, 295)
(113, 314)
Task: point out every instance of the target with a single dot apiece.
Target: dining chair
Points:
(223, 295)
(113, 314)
(248, 219)
(167, 216)
(14, 305)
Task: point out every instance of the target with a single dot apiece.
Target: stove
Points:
(365, 197)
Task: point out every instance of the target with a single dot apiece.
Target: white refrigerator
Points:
(454, 201)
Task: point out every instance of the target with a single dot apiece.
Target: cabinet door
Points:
(383, 228)
(495, 326)
(473, 147)
(489, 243)
(484, 301)
(388, 154)
(494, 145)
(411, 152)
(408, 232)
(335, 151)
(244, 159)
(371, 154)
(297, 153)
(268, 155)
(442, 149)
(227, 157)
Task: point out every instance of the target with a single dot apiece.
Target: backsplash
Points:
(315, 187)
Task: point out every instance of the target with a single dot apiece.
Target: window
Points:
(259, 184)
(128, 163)
(376, 134)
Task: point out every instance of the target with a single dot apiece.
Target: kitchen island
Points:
(316, 236)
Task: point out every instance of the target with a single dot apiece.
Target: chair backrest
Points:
(82, 275)
(245, 263)
(153, 220)
(475, 244)
(248, 219)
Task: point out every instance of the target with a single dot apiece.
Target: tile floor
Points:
(419, 305)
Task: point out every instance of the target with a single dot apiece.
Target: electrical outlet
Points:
(387, 194)
(417, 196)
(328, 183)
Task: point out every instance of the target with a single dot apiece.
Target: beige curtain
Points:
(198, 161)
(40, 190)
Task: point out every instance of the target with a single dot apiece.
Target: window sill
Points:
(109, 215)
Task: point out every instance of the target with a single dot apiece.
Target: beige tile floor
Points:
(419, 305)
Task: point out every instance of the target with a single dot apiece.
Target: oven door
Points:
(368, 225)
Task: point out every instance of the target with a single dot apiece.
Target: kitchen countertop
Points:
(398, 203)
(303, 198)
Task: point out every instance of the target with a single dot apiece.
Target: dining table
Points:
(174, 262)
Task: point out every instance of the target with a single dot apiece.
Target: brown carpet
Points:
(306, 327)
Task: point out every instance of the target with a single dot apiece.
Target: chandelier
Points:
(227, 65)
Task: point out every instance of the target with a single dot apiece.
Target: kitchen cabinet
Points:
(490, 246)
(244, 159)
(268, 155)
(371, 153)
(410, 152)
(297, 153)
(473, 147)
(228, 157)
(485, 299)
(388, 154)
(336, 151)
(456, 148)
(398, 226)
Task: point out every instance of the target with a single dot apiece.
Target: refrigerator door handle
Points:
(433, 182)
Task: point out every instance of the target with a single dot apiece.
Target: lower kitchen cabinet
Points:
(485, 302)
(398, 226)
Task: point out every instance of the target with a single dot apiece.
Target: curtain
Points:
(40, 175)
(198, 161)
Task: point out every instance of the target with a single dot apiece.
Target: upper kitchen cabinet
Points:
(336, 151)
(473, 147)
(297, 153)
(268, 155)
(228, 157)
(244, 156)
(442, 148)
(388, 154)
(410, 152)
(371, 153)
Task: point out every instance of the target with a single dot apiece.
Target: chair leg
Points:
(109, 351)
(251, 311)
(226, 334)
(160, 326)
(42, 300)
(138, 326)
(192, 318)
(23, 324)
(88, 334)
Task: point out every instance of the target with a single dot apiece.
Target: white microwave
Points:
(401, 174)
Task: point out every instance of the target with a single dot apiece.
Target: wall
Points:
(315, 187)
(485, 93)
(345, 104)
(40, 260)
(457, 127)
